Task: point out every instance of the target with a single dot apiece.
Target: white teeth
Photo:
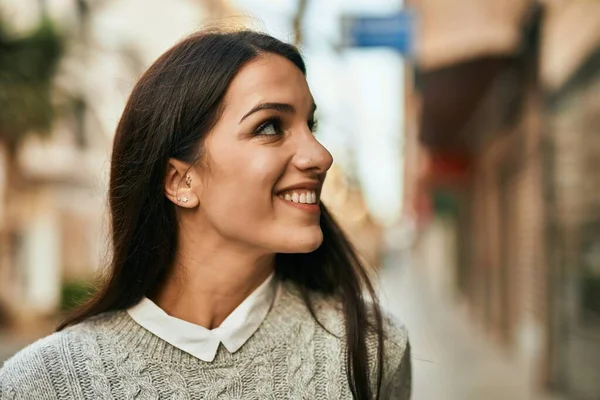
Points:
(305, 197)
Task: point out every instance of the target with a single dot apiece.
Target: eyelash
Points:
(276, 124)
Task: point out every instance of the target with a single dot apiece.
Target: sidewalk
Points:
(451, 360)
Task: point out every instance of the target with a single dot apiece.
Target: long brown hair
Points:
(169, 113)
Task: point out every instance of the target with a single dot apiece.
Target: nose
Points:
(312, 155)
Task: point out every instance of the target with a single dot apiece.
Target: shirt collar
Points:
(199, 341)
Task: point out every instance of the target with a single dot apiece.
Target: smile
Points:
(303, 199)
(300, 196)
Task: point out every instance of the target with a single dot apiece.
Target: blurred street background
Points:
(466, 138)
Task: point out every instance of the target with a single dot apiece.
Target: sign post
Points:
(394, 31)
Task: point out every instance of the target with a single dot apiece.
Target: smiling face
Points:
(260, 182)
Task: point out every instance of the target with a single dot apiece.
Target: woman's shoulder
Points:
(34, 367)
(395, 332)
(330, 312)
(396, 354)
(47, 359)
(49, 346)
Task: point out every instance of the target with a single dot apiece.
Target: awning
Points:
(450, 32)
(450, 99)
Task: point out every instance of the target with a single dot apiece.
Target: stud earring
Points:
(188, 181)
(185, 199)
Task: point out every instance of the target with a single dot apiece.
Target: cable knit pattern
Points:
(265, 369)
(94, 363)
(333, 371)
(290, 356)
(301, 362)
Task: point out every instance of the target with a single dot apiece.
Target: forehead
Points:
(268, 78)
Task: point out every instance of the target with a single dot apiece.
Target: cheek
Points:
(239, 204)
(241, 185)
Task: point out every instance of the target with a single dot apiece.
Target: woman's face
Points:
(261, 182)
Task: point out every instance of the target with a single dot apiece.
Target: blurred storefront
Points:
(506, 113)
(571, 76)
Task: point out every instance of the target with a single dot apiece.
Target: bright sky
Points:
(359, 93)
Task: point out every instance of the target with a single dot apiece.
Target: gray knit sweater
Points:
(289, 357)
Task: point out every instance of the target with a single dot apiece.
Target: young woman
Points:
(229, 278)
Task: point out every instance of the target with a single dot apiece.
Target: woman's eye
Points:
(269, 128)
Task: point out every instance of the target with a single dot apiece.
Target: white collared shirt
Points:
(199, 341)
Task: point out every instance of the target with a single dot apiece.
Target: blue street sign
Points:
(395, 31)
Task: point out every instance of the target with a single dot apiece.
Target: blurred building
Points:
(501, 175)
(54, 227)
(571, 76)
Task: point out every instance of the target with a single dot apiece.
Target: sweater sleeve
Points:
(399, 386)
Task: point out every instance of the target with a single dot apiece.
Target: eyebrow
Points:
(281, 107)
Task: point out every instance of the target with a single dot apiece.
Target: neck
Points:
(208, 282)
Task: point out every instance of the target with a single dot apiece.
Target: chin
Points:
(303, 242)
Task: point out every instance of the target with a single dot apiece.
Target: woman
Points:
(229, 278)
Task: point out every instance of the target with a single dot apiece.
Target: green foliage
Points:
(28, 64)
(75, 293)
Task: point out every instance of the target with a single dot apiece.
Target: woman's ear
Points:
(181, 184)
